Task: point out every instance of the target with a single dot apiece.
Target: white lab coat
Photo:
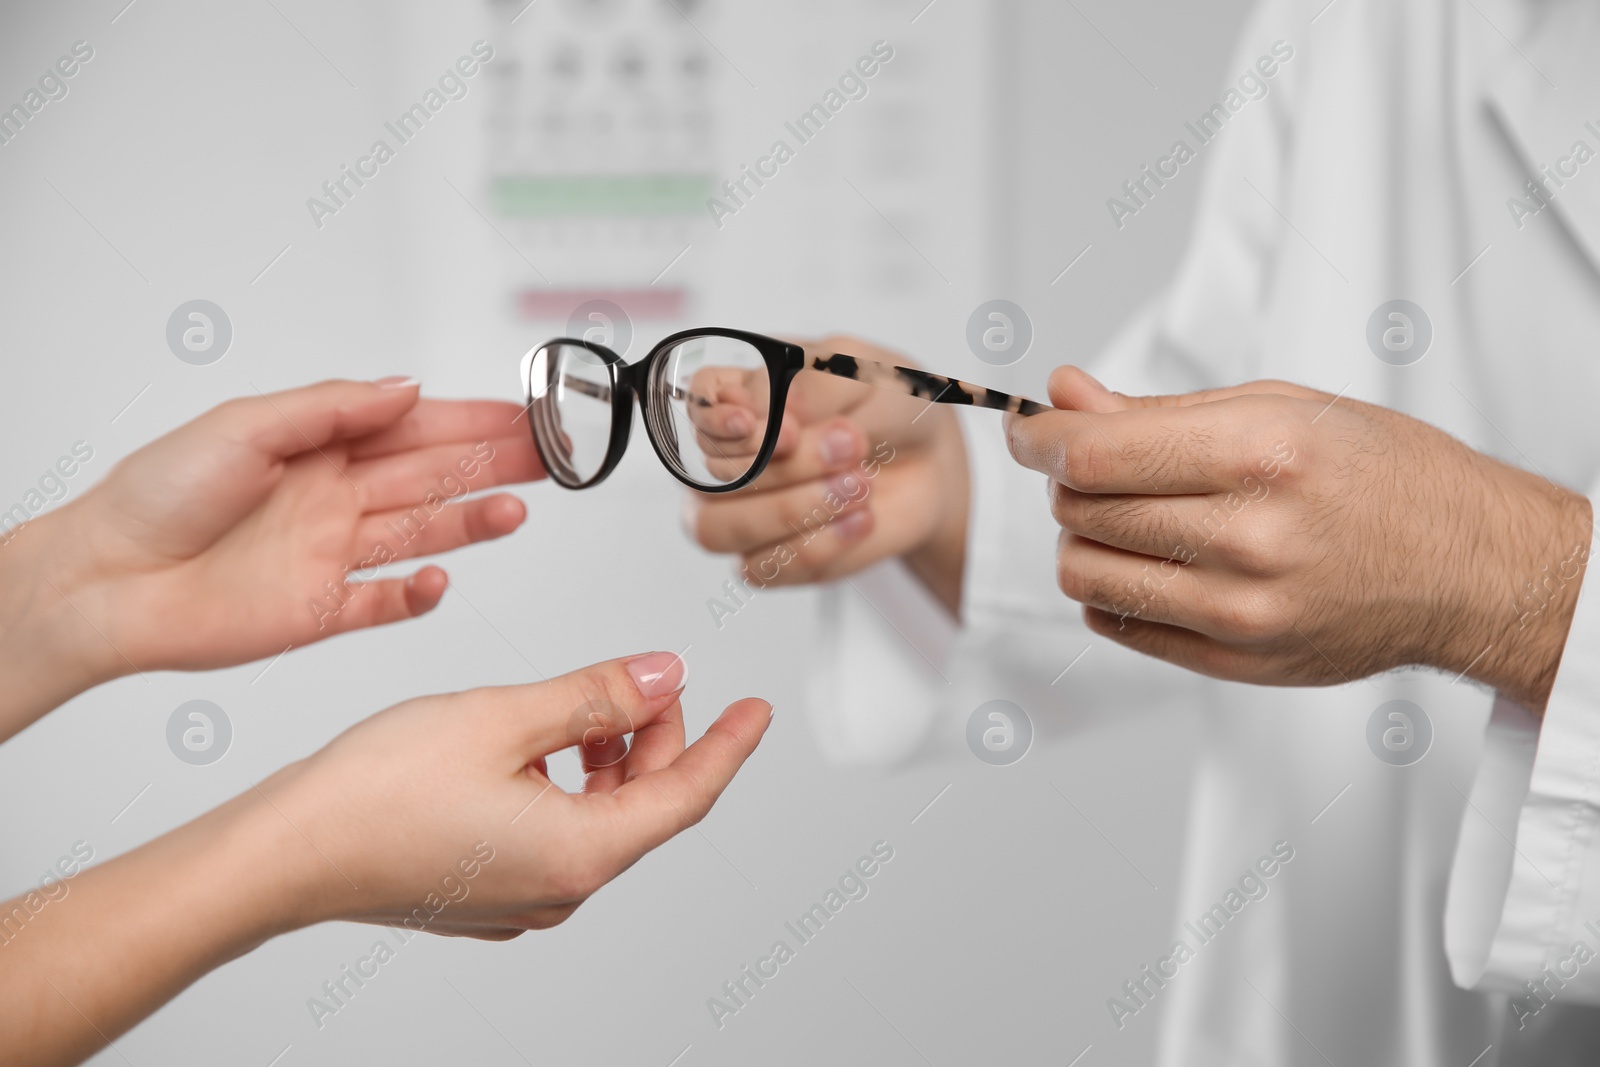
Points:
(1378, 167)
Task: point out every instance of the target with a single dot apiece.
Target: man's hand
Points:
(1273, 534)
(251, 529)
(860, 474)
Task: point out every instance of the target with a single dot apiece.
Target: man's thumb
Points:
(1075, 389)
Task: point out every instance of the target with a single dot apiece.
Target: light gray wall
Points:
(178, 167)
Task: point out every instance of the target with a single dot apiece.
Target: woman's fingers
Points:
(413, 476)
(597, 703)
(359, 605)
(481, 931)
(442, 422)
(406, 533)
(610, 757)
(656, 744)
(603, 745)
(664, 802)
(298, 420)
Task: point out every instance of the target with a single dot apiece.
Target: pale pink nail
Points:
(838, 445)
(853, 525)
(658, 673)
(396, 381)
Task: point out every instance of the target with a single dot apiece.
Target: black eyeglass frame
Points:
(784, 361)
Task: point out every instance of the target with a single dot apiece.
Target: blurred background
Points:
(577, 167)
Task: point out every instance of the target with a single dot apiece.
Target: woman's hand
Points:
(860, 474)
(234, 537)
(400, 800)
(433, 816)
(1275, 534)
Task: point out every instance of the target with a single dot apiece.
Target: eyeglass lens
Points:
(709, 400)
(571, 410)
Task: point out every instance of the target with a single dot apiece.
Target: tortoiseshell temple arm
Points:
(934, 388)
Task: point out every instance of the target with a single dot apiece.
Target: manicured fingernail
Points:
(838, 445)
(396, 381)
(853, 525)
(658, 673)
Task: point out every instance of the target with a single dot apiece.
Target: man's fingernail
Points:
(396, 381)
(853, 525)
(846, 486)
(838, 445)
(658, 673)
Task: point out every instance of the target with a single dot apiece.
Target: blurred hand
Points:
(1273, 534)
(860, 475)
(232, 537)
(729, 407)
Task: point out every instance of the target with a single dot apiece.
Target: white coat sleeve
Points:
(893, 674)
(1523, 911)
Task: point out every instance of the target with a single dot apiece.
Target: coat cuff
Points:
(1523, 907)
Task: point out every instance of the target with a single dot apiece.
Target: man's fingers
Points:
(443, 422)
(803, 453)
(739, 523)
(664, 802)
(298, 420)
(448, 470)
(1074, 389)
(1129, 586)
(821, 556)
(406, 533)
(1202, 448)
(728, 409)
(831, 447)
(1124, 584)
(1184, 648)
(892, 518)
(1148, 524)
(727, 461)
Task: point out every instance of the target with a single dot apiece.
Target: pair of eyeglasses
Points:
(712, 401)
